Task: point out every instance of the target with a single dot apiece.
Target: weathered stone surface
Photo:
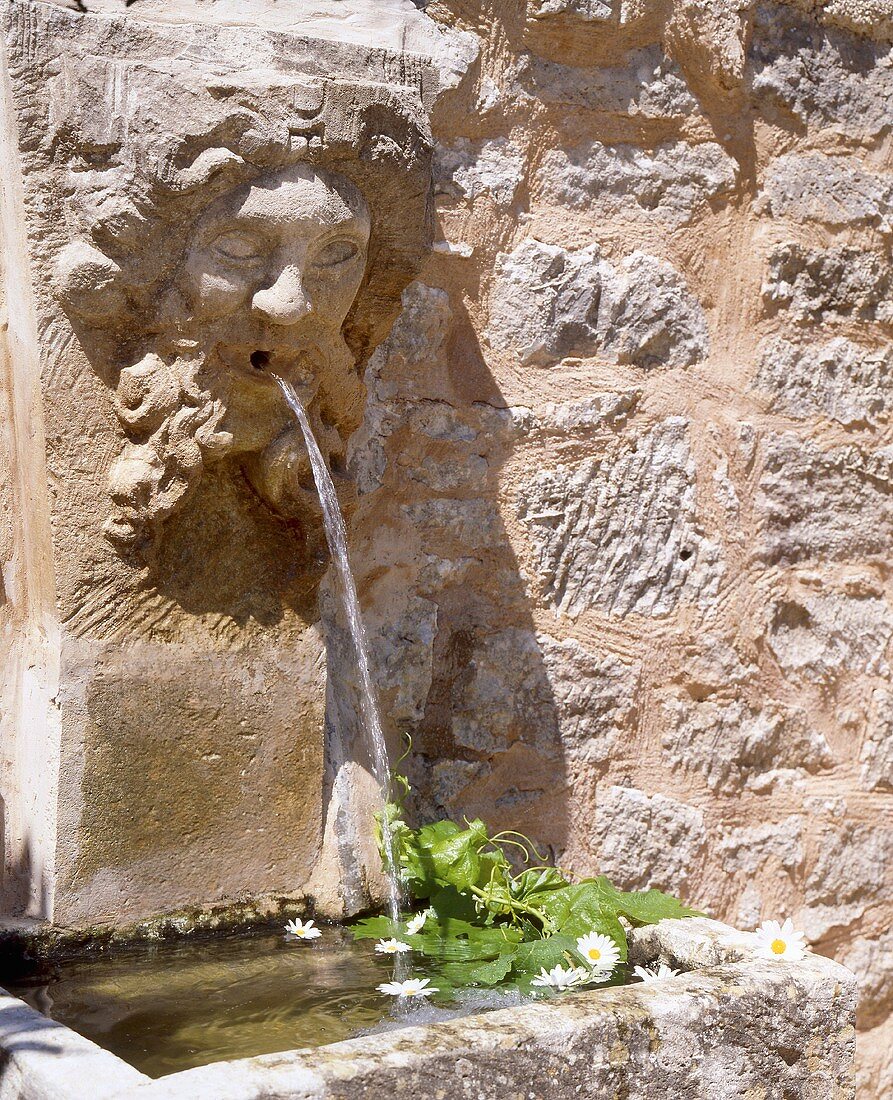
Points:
(851, 872)
(735, 746)
(705, 1034)
(815, 504)
(504, 695)
(192, 198)
(570, 418)
(712, 664)
(822, 77)
(545, 301)
(812, 187)
(646, 841)
(403, 647)
(653, 319)
(819, 285)
(549, 303)
(821, 637)
(588, 11)
(670, 184)
(747, 849)
(647, 85)
(620, 533)
(871, 960)
(466, 170)
(838, 379)
(594, 696)
(868, 18)
(877, 748)
(717, 30)
(415, 347)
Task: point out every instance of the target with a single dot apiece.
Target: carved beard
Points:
(182, 413)
(174, 427)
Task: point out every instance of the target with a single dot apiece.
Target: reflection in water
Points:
(171, 1006)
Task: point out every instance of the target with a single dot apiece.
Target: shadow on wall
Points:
(461, 667)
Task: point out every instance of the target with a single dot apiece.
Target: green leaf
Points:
(493, 972)
(429, 835)
(455, 859)
(536, 955)
(453, 940)
(449, 902)
(642, 906)
(576, 910)
(375, 928)
(537, 880)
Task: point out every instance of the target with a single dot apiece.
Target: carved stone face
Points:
(273, 268)
(267, 275)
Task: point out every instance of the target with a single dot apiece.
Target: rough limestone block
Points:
(823, 284)
(839, 379)
(646, 841)
(877, 749)
(651, 319)
(648, 85)
(545, 302)
(465, 170)
(812, 187)
(822, 77)
(588, 11)
(735, 746)
(672, 183)
(549, 302)
(192, 197)
(620, 533)
(822, 636)
(850, 874)
(747, 848)
(815, 504)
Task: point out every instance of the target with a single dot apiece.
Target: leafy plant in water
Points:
(489, 925)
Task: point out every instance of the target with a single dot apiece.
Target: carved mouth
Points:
(301, 363)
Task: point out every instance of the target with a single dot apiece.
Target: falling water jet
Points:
(336, 536)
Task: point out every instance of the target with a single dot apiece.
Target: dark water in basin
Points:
(170, 1006)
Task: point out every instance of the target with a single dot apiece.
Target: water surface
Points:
(174, 1005)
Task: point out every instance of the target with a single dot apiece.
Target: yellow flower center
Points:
(594, 954)
(778, 947)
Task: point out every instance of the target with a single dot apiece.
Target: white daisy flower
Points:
(417, 923)
(303, 930)
(655, 973)
(392, 947)
(599, 951)
(560, 978)
(411, 987)
(779, 941)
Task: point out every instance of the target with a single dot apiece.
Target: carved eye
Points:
(336, 252)
(238, 246)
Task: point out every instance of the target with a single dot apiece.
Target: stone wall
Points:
(623, 477)
(626, 472)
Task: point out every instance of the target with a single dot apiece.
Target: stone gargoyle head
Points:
(232, 231)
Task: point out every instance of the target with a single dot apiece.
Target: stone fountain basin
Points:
(730, 1026)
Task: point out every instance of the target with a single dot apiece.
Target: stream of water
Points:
(336, 536)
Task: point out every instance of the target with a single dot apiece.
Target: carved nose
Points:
(283, 303)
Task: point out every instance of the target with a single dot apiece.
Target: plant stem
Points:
(514, 905)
